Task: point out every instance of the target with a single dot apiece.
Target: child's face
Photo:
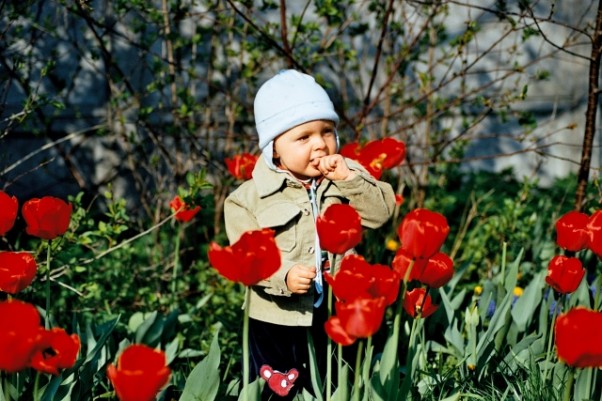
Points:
(298, 149)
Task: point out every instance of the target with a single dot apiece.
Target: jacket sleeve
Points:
(239, 219)
(374, 200)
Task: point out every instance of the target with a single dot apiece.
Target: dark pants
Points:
(286, 347)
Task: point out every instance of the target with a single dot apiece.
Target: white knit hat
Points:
(288, 99)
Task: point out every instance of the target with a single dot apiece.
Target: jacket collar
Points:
(267, 181)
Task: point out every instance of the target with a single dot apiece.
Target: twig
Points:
(48, 146)
(120, 245)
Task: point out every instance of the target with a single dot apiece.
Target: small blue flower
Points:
(553, 306)
(490, 309)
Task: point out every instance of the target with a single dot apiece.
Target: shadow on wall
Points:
(84, 164)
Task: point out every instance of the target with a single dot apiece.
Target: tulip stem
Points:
(340, 366)
(245, 345)
(329, 341)
(329, 352)
(503, 263)
(410, 368)
(389, 391)
(358, 368)
(550, 337)
(47, 320)
(366, 368)
(412, 344)
(176, 262)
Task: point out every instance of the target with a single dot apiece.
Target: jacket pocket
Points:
(282, 218)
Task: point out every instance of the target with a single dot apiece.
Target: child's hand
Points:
(334, 167)
(299, 278)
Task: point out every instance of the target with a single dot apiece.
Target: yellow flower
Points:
(517, 291)
(392, 245)
(478, 290)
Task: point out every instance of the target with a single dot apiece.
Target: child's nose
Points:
(319, 142)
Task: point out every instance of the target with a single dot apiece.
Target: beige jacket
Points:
(276, 200)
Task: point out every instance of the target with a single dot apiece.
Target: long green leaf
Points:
(316, 380)
(342, 392)
(203, 382)
(526, 305)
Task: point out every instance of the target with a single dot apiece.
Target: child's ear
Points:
(276, 159)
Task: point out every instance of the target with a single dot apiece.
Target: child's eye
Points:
(303, 138)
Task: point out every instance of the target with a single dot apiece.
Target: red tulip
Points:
(339, 228)
(565, 274)
(335, 330)
(140, 374)
(422, 232)
(577, 337)
(183, 212)
(356, 278)
(47, 217)
(9, 207)
(438, 271)
(594, 230)
(61, 352)
(351, 150)
(254, 257)
(17, 271)
(377, 155)
(360, 318)
(20, 332)
(385, 283)
(571, 231)
(349, 283)
(241, 166)
(402, 262)
(382, 154)
(415, 303)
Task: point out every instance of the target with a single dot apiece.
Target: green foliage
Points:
(484, 342)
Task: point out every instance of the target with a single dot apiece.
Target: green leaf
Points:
(387, 377)
(149, 332)
(520, 353)
(171, 351)
(342, 392)
(95, 360)
(452, 305)
(498, 321)
(452, 333)
(526, 305)
(135, 321)
(203, 382)
(51, 388)
(252, 391)
(512, 273)
(471, 318)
